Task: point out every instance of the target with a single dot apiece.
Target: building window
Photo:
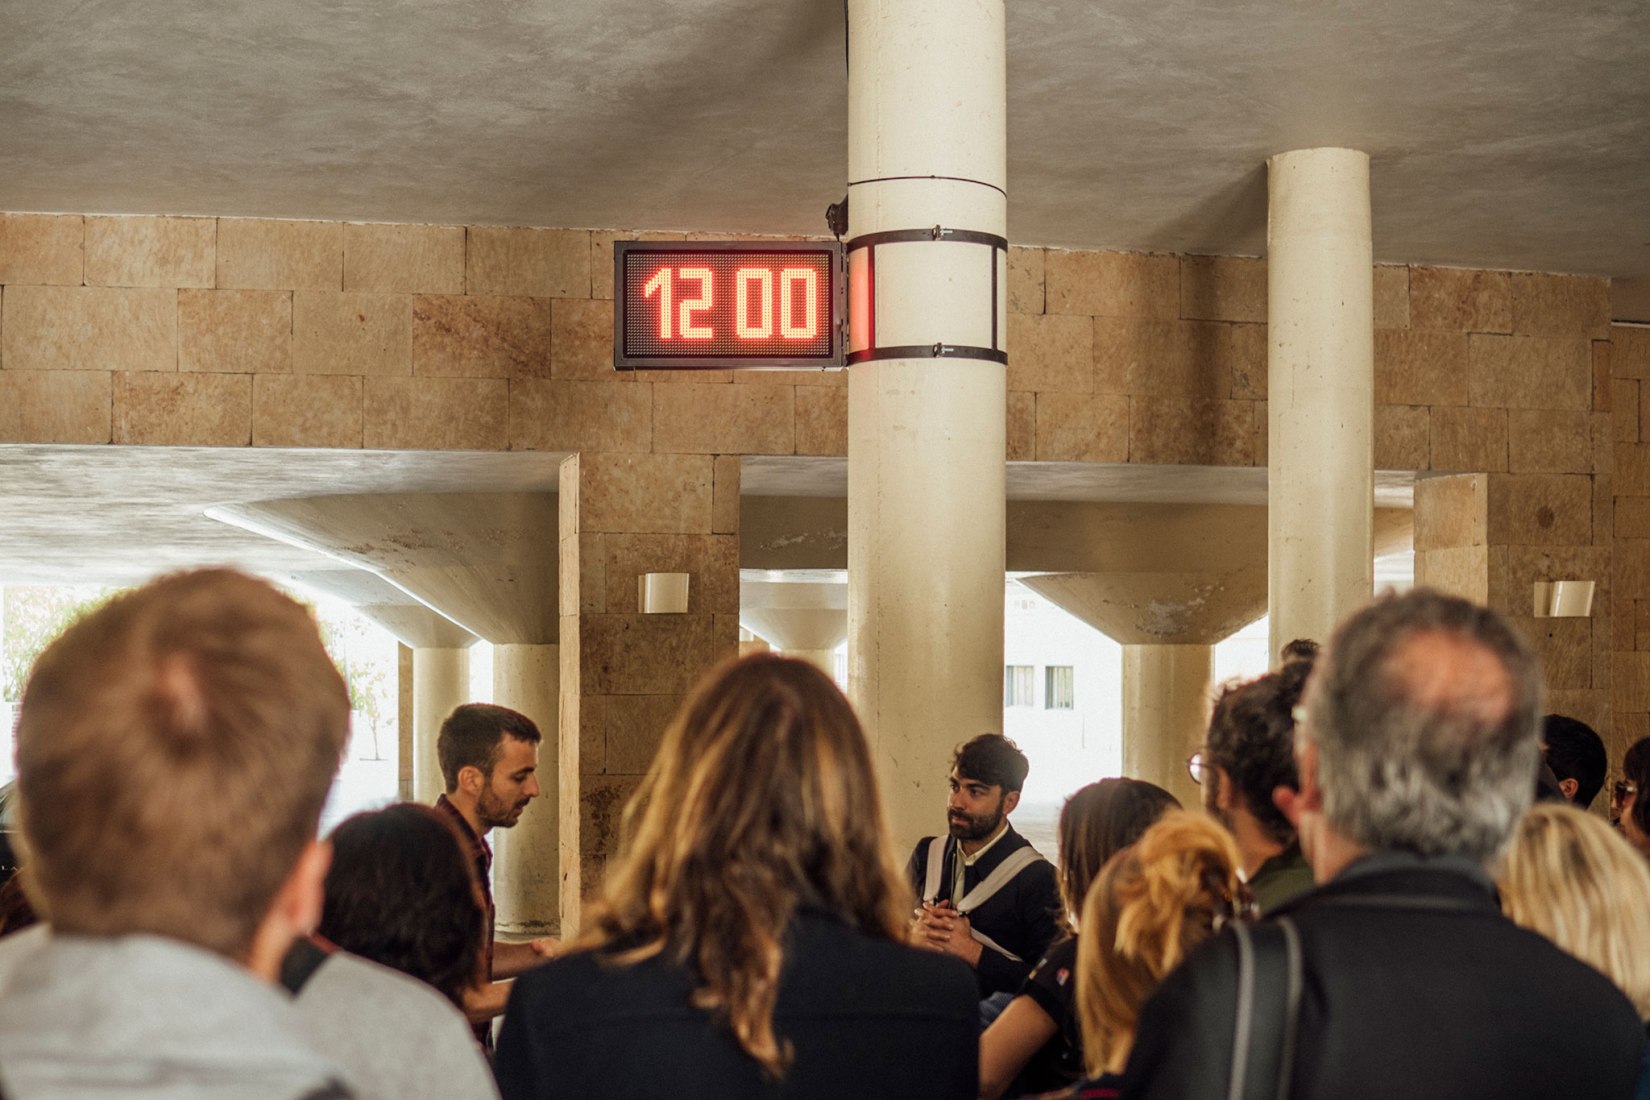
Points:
(1057, 687)
(1017, 686)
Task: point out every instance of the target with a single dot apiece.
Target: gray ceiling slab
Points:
(1512, 135)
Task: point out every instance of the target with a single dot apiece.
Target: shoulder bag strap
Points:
(1265, 1029)
(936, 868)
(1001, 875)
(302, 960)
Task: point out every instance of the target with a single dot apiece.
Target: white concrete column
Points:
(1321, 390)
(526, 860)
(1165, 714)
(926, 447)
(441, 681)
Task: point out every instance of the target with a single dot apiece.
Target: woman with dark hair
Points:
(401, 893)
(748, 943)
(1038, 1033)
(1629, 807)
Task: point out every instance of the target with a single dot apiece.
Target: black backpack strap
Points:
(301, 962)
(1268, 1010)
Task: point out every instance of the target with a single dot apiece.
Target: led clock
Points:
(727, 304)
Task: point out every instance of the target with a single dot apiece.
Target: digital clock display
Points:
(752, 304)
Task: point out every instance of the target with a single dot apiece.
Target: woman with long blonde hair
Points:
(1150, 906)
(748, 942)
(1570, 877)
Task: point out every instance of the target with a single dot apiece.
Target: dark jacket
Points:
(1023, 917)
(866, 1018)
(1439, 997)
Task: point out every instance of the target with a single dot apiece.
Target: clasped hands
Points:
(937, 926)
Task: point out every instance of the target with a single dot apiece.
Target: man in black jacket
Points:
(1416, 750)
(987, 896)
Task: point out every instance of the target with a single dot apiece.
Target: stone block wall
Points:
(249, 332)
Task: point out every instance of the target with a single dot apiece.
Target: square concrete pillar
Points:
(624, 673)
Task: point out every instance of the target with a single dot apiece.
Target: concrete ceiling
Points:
(1514, 134)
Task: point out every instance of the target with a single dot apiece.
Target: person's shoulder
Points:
(347, 976)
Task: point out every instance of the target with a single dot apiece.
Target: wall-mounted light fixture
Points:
(1563, 599)
(662, 593)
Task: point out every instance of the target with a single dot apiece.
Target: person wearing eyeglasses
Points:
(1627, 811)
(1248, 753)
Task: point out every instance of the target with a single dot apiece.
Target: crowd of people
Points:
(1393, 887)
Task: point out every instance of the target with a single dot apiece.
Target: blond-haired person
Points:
(173, 753)
(748, 942)
(1572, 878)
(1150, 906)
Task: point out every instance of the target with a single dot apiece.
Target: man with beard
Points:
(1248, 753)
(488, 757)
(987, 896)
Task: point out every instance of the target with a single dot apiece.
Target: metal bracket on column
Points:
(869, 242)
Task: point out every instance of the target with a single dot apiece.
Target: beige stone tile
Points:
(1021, 441)
(537, 263)
(1603, 446)
(1415, 367)
(830, 378)
(1530, 372)
(1051, 352)
(1205, 433)
(1391, 296)
(725, 495)
(1604, 509)
(460, 336)
(1249, 362)
(1632, 469)
(1452, 299)
(1459, 570)
(1187, 359)
(306, 411)
(1451, 511)
(643, 654)
(1630, 575)
(1630, 351)
(55, 406)
(1632, 516)
(680, 377)
(582, 345)
(583, 584)
(1544, 441)
(404, 259)
(235, 331)
(1630, 682)
(717, 419)
(1222, 288)
(1603, 376)
(1528, 564)
(821, 420)
(1540, 510)
(151, 251)
(1025, 280)
(1565, 649)
(187, 410)
(1082, 427)
(576, 415)
(664, 493)
(338, 332)
(1560, 305)
(601, 813)
(635, 724)
(1262, 441)
(266, 254)
(435, 414)
(1402, 439)
(1113, 284)
(42, 249)
(711, 562)
(89, 328)
(1468, 440)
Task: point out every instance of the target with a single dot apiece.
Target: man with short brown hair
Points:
(174, 750)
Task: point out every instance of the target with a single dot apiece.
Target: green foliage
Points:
(30, 618)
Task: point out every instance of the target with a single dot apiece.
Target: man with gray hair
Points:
(1419, 738)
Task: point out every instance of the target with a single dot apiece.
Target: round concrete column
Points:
(441, 681)
(1165, 713)
(526, 863)
(1321, 390)
(926, 446)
